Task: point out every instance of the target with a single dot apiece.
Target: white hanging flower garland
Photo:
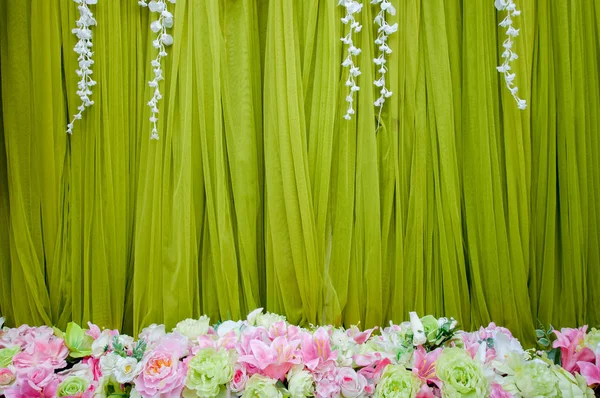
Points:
(352, 7)
(162, 41)
(509, 55)
(83, 47)
(384, 31)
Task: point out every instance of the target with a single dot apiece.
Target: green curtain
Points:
(259, 193)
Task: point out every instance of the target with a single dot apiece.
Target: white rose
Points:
(300, 383)
(127, 369)
(193, 328)
(108, 364)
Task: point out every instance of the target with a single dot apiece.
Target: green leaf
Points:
(540, 333)
(544, 342)
(79, 343)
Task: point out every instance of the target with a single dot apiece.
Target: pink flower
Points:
(240, 377)
(42, 348)
(373, 372)
(162, 372)
(572, 350)
(358, 336)
(93, 331)
(424, 366)
(425, 392)
(94, 364)
(273, 360)
(327, 388)
(316, 351)
(37, 382)
(499, 392)
(591, 371)
(351, 383)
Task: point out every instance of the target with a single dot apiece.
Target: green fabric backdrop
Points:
(260, 194)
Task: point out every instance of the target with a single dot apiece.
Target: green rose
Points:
(460, 374)
(6, 356)
(208, 371)
(300, 383)
(259, 386)
(398, 382)
(430, 327)
(79, 343)
(71, 386)
(569, 385)
(193, 328)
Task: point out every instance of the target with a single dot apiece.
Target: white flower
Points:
(418, 330)
(126, 369)
(152, 334)
(2, 321)
(99, 345)
(108, 363)
(228, 326)
(193, 328)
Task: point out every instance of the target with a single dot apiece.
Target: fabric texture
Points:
(259, 193)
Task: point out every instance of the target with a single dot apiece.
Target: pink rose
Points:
(240, 377)
(162, 371)
(351, 383)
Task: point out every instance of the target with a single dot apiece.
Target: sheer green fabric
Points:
(259, 193)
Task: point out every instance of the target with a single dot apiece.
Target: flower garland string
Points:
(352, 7)
(384, 31)
(162, 41)
(83, 47)
(509, 55)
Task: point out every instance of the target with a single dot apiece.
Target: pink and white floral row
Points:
(264, 356)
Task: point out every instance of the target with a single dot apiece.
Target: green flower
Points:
(528, 378)
(398, 382)
(300, 383)
(460, 374)
(592, 339)
(79, 343)
(6, 356)
(430, 325)
(208, 371)
(569, 385)
(259, 386)
(71, 386)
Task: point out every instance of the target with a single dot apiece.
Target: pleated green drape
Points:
(259, 193)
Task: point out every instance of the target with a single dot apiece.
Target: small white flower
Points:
(126, 369)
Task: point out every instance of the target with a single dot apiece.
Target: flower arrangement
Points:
(265, 356)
